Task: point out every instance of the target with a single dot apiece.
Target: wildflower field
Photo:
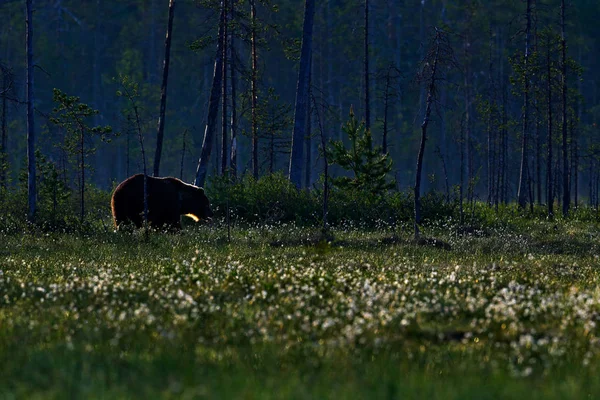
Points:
(503, 312)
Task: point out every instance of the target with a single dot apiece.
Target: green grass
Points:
(510, 311)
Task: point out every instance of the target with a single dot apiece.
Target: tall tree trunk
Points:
(504, 196)
(82, 182)
(461, 186)
(233, 155)
(324, 229)
(307, 166)
(522, 192)
(366, 71)
(224, 102)
(31, 178)
(213, 108)
(182, 155)
(538, 158)
(574, 162)
(467, 84)
(4, 139)
(549, 162)
(295, 170)
(429, 103)
(163, 90)
(386, 105)
(254, 92)
(490, 128)
(565, 150)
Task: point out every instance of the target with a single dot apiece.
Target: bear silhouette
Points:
(168, 199)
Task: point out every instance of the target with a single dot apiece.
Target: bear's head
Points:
(195, 204)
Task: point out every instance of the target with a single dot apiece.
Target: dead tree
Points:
(31, 181)
(213, 107)
(254, 84)
(565, 149)
(163, 90)
(522, 191)
(440, 53)
(302, 100)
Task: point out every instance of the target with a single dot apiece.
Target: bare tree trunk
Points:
(233, 156)
(254, 92)
(521, 194)
(307, 166)
(31, 178)
(430, 98)
(468, 100)
(4, 139)
(325, 173)
(504, 193)
(272, 153)
(163, 90)
(224, 102)
(366, 71)
(182, 155)
(538, 158)
(295, 170)
(82, 166)
(565, 150)
(386, 104)
(549, 162)
(213, 108)
(574, 162)
(462, 173)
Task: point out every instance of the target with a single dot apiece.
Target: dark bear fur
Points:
(168, 199)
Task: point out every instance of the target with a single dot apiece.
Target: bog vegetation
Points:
(504, 305)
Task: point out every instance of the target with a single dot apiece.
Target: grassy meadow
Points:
(506, 311)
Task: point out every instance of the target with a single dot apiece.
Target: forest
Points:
(513, 116)
(405, 199)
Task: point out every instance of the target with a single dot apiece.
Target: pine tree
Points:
(369, 166)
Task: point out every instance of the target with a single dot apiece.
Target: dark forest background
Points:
(475, 134)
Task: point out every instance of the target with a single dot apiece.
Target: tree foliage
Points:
(369, 166)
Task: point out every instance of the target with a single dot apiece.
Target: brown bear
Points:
(168, 199)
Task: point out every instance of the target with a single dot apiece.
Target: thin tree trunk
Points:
(295, 170)
(386, 103)
(565, 150)
(31, 174)
(224, 102)
(462, 173)
(521, 193)
(233, 156)
(504, 132)
(182, 155)
(272, 153)
(307, 166)
(538, 158)
(213, 109)
(549, 162)
(430, 98)
(4, 140)
(254, 92)
(574, 162)
(366, 71)
(325, 172)
(468, 84)
(163, 90)
(82, 166)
